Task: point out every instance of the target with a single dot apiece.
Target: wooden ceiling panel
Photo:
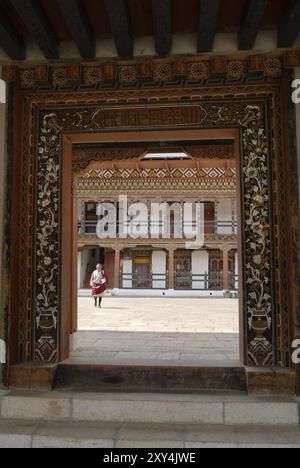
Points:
(141, 17)
(56, 19)
(185, 16)
(275, 11)
(230, 15)
(38, 23)
(120, 23)
(98, 18)
(16, 21)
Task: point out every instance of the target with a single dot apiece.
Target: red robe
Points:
(98, 289)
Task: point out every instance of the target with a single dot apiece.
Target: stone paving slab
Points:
(134, 330)
(145, 314)
(217, 409)
(20, 434)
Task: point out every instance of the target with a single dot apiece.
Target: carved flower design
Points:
(259, 199)
(257, 259)
(251, 172)
(199, 71)
(128, 74)
(163, 72)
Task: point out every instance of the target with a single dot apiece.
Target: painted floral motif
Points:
(47, 236)
(163, 72)
(235, 69)
(273, 67)
(199, 71)
(128, 74)
(257, 239)
(257, 246)
(27, 78)
(60, 77)
(93, 75)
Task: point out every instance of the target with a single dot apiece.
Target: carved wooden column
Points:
(2, 165)
(171, 268)
(297, 76)
(225, 268)
(117, 268)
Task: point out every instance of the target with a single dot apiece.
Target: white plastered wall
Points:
(159, 269)
(127, 273)
(200, 266)
(224, 216)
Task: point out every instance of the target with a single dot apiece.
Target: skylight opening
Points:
(165, 156)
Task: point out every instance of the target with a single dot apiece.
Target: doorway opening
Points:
(168, 301)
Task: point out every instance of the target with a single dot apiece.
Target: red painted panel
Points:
(209, 218)
(56, 19)
(141, 17)
(98, 18)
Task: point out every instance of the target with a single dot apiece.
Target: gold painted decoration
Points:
(157, 71)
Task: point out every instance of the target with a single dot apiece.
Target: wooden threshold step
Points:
(139, 378)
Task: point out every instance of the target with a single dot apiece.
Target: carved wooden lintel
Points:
(163, 71)
(84, 154)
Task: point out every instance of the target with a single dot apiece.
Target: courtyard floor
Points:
(157, 331)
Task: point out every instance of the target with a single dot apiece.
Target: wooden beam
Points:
(251, 21)
(162, 23)
(208, 16)
(289, 28)
(79, 26)
(37, 23)
(120, 23)
(10, 40)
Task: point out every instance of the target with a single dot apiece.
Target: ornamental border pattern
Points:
(261, 338)
(84, 154)
(94, 75)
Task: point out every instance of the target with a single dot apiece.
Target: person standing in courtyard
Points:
(99, 284)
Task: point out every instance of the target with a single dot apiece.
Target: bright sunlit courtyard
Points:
(157, 330)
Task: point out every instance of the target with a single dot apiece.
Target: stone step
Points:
(219, 409)
(70, 434)
(150, 378)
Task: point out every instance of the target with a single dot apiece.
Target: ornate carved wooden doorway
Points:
(52, 123)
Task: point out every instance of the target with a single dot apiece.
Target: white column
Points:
(127, 273)
(79, 266)
(225, 216)
(236, 270)
(159, 269)
(200, 266)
